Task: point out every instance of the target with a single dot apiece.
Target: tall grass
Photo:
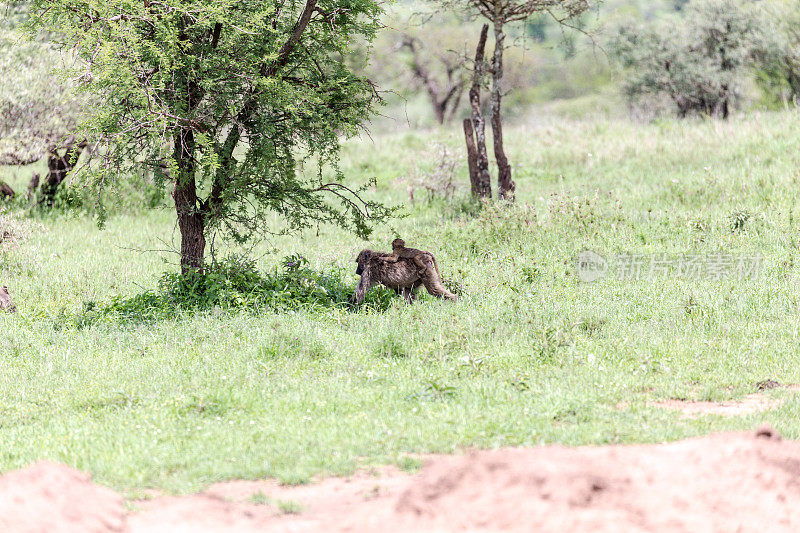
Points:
(529, 355)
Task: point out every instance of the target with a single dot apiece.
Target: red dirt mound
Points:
(50, 498)
(726, 482)
(718, 483)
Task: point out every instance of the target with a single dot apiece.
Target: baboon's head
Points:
(398, 243)
(362, 259)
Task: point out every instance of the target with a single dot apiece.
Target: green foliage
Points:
(240, 103)
(434, 391)
(695, 63)
(390, 347)
(236, 284)
(778, 52)
(738, 220)
(38, 108)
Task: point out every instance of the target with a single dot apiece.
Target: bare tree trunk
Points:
(484, 179)
(472, 158)
(454, 106)
(32, 186)
(6, 190)
(505, 184)
(190, 219)
(725, 111)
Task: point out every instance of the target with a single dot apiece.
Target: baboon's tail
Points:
(436, 265)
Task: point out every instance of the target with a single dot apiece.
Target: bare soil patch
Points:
(725, 482)
(752, 403)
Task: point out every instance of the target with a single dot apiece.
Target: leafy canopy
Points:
(255, 91)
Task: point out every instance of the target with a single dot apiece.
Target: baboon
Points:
(6, 303)
(401, 275)
(423, 260)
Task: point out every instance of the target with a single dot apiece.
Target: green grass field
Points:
(530, 355)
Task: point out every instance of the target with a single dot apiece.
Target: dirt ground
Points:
(725, 482)
(752, 403)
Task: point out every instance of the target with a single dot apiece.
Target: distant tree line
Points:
(703, 60)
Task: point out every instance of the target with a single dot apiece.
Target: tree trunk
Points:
(6, 303)
(438, 110)
(505, 184)
(794, 87)
(472, 158)
(725, 107)
(58, 167)
(190, 219)
(484, 179)
(6, 190)
(454, 106)
(32, 186)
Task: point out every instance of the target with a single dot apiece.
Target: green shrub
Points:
(233, 284)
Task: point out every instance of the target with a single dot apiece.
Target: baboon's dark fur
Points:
(402, 276)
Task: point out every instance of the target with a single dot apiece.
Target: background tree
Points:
(500, 13)
(38, 108)
(777, 50)
(698, 62)
(444, 82)
(419, 57)
(240, 102)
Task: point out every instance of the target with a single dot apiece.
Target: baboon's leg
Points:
(429, 261)
(364, 285)
(412, 291)
(408, 294)
(417, 285)
(434, 285)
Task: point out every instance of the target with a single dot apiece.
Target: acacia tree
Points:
(238, 103)
(500, 13)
